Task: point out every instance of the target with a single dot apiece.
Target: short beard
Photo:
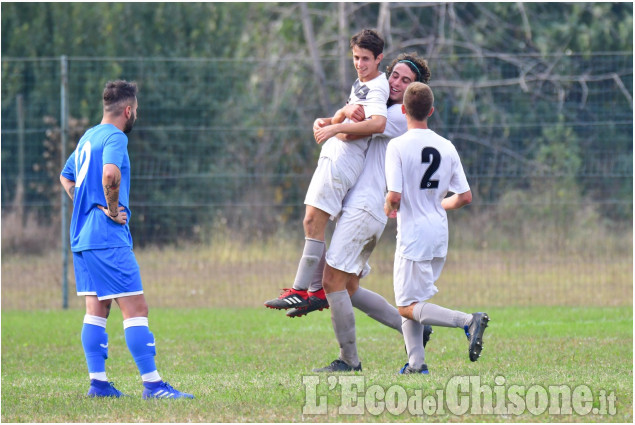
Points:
(127, 128)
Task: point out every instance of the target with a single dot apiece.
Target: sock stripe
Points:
(135, 321)
(95, 320)
(151, 377)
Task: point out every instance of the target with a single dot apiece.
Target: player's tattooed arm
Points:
(111, 181)
(69, 187)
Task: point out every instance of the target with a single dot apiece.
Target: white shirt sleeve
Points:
(396, 123)
(376, 99)
(458, 182)
(394, 176)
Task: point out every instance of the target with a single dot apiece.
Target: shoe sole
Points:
(328, 370)
(278, 308)
(293, 314)
(476, 345)
(408, 372)
(105, 396)
(284, 307)
(291, 301)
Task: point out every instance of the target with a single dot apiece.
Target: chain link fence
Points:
(222, 154)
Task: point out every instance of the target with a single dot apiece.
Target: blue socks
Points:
(140, 342)
(139, 339)
(95, 343)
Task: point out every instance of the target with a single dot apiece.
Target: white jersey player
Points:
(345, 159)
(359, 228)
(421, 168)
(340, 163)
(363, 220)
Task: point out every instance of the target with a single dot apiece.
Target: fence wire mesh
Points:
(222, 156)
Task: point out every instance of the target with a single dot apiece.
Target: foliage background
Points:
(537, 97)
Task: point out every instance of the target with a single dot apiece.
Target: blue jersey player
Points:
(97, 178)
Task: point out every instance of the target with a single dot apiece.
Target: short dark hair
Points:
(370, 40)
(416, 64)
(418, 100)
(119, 94)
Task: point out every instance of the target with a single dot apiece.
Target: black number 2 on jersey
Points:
(433, 157)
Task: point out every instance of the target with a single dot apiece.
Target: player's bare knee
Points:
(328, 285)
(406, 311)
(352, 286)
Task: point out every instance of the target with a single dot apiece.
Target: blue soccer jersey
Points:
(90, 227)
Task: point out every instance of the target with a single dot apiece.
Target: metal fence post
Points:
(20, 187)
(63, 156)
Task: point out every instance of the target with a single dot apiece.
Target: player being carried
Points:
(340, 163)
(360, 227)
(421, 168)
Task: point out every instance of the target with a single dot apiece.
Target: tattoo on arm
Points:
(71, 192)
(112, 197)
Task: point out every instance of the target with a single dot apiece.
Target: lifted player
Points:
(340, 163)
(359, 228)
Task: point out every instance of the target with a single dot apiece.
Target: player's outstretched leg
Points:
(376, 307)
(474, 333)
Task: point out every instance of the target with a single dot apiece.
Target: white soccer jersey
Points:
(348, 157)
(369, 192)
(423, 167)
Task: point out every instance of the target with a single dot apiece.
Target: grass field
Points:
(210, 276)
(247, 365)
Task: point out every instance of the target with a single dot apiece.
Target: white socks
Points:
(313, 252)
(434, 315)
(343, 319)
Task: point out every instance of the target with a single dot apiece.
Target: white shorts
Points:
(327, 188)
(414, 280)
(354, 239)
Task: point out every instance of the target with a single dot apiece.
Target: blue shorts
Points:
(107, 273)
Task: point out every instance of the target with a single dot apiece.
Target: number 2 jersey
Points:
(423, 167)
(90, 227)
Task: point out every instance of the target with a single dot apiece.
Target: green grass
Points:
(209, 276)
(246, 365)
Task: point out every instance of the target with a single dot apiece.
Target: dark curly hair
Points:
(418, 65)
